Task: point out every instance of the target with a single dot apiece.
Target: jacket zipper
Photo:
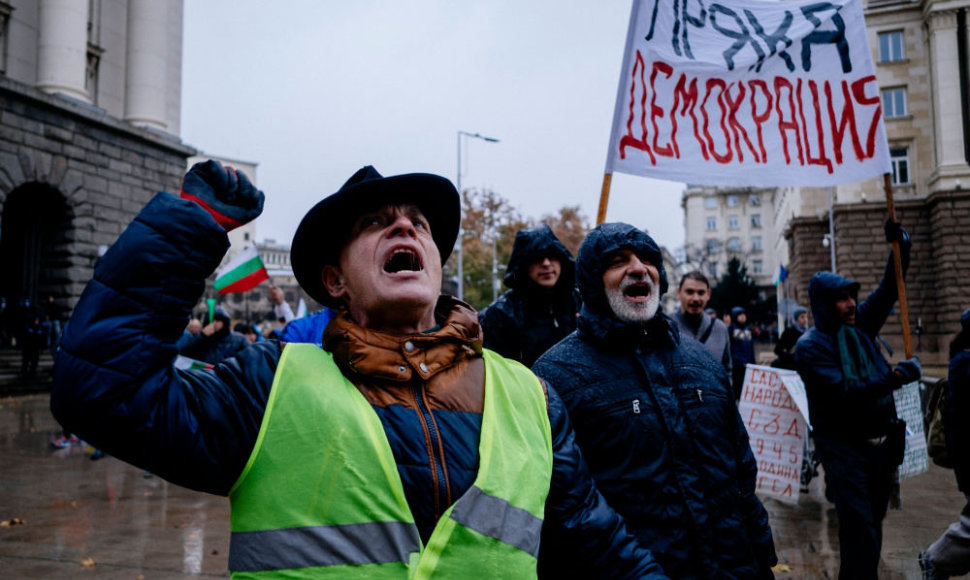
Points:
(437, 471)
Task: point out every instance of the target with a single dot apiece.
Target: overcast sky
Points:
(312, 90)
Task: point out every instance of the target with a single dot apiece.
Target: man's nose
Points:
(402, 226)
(637, 266)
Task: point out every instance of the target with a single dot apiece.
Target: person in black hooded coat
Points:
(849, 386)
(216, 342)
(656, 419)
(541, 305)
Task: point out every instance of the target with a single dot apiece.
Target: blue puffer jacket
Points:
(841, 409)
(527, 319)
(116, 387)
(656, 419)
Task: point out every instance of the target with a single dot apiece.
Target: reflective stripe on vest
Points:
(349, 544)
(321, 496)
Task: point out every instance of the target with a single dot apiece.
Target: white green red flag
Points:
(190, 364)
(242, 273)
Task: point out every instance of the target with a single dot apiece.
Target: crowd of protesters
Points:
(623, 454)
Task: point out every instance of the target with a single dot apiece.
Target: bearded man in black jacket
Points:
(656, 419)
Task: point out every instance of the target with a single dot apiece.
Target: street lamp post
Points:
(461, 231)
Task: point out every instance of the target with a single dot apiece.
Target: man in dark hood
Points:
(849, 386)
(656, 419)
(742, 348)
(215, 342)
(541, 304)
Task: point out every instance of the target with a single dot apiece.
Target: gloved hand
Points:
(895, 232)
(909, 370)
(225, 193)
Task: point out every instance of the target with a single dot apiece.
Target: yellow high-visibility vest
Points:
(321, 496)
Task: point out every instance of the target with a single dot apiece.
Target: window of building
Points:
(755, 243)
(712, 246)
(734, 245)
(756, 220)
(754, 199)
(711, 223)
(95, 51)
(757, 267)
(732, 201)
(899, 156)
(237, 298)
(290, 297)
(894, 102)
(245, 236)
(712, 270)
(733, 222)
(891, 46)
(710, 202)
(5, 10)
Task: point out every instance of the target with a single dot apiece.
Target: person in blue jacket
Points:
(949, 555)
(742, 348)
(849, 384)
(656, 419)
(373, 251)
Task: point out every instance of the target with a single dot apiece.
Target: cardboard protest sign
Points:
(747, 92)
(916, 459)
(774, 410)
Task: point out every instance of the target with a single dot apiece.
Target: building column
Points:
(948, 107)
(62, 47)
(146, 65)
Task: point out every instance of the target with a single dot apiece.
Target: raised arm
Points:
(115, 384)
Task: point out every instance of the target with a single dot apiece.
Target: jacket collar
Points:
(402, 358)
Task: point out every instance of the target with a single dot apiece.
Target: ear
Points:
(333, 281)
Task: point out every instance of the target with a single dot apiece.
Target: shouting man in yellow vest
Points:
(400, 449)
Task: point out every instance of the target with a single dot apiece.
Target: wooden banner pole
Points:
(604, 198)
(898, 267)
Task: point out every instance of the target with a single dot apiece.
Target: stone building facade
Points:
(920, 50)
(89, 124)
(921, 53)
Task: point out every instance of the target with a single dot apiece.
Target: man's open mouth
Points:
(639, 290)
(403, 260)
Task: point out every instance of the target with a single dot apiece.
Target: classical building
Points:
(920, 50)
(725, 223)
(90, 98)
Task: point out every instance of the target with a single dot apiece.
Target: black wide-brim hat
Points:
(325, 229)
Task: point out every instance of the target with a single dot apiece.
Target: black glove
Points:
(896, 233)
(909, 370)
(225, 193)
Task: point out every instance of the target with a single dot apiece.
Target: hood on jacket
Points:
(823, 290)
(735, 312)
(597, 317)
(532, 244)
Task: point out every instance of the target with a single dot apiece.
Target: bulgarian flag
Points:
(242, 273)
(190, 364)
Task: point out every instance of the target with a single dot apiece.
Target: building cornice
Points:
(89, 113)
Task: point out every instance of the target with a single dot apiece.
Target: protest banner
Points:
(774, 409)
(748, 93)
(916, 458)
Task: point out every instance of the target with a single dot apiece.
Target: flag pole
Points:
(604, 198)
(898, 267)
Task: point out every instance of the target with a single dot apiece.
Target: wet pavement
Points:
(63, 515)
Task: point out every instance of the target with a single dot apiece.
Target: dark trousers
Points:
(860, 477)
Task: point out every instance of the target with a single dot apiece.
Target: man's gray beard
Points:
(636, 313)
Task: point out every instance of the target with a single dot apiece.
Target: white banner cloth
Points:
(748, 92)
